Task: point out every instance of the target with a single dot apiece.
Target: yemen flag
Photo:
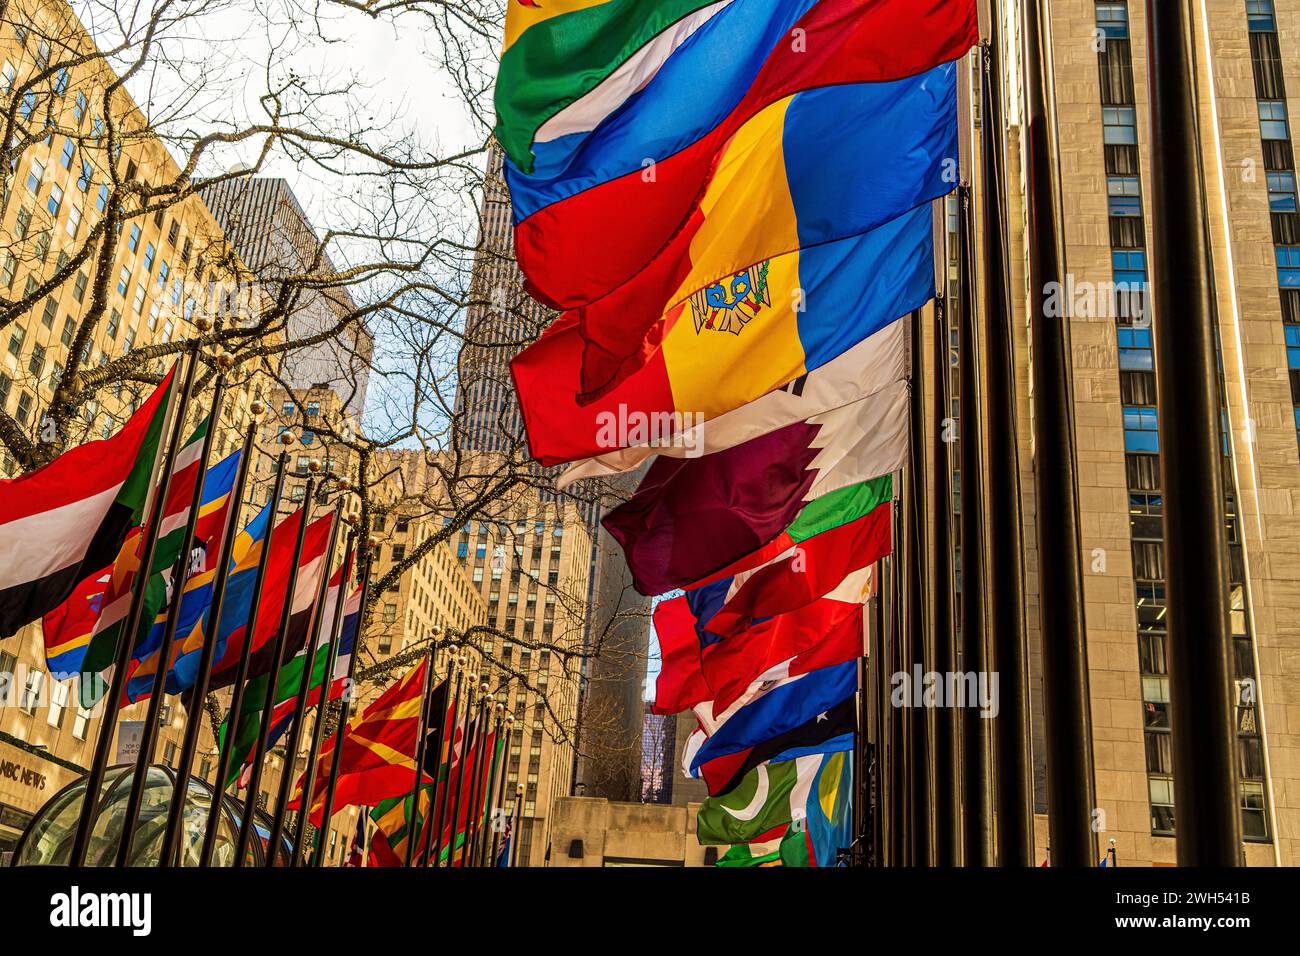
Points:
(868, 368)
(691, 517)
(825, 825)
(831, 731)
(800, 312)
(771, 794)
(747, 106)
(65, 521)
(833, 537)
(822, 634)
(377, 754)
(566, 64)
(764, 851)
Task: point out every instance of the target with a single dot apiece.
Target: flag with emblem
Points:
(771, 794)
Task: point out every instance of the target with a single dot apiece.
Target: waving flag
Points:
(760, 101)
(764, 851)
(866, 370)
(770, 795)
(568, 63)
(63, 522)
(791, 316)
(691, 517)
(826, 826)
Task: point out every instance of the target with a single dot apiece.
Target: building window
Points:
(1272, 120)
(1140, 430)
(35, 175)
(58, 705)
(133, 239)
(1119, 126)
(1112, 20)
(390, 613)
(1130, 267)
(101, 201)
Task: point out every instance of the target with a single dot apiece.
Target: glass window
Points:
(1259, 14)
(1292, 335)
(55, 201)
(1288, 266)
(133, 240)
(35, 176)
(1281, 191)
(1272, 120)
(1135, 348)
(123, 280)
(1140, 429)
(1119, 126)
(69, 150)
(1112, 19)
(1129, 266)
(101, 201)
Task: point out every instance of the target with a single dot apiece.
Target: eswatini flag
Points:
(733, 125)
(775, 323)
(65, 521)
(691, 517)
(833, 537)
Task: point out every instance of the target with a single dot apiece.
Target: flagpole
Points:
(327, 680)
(471, 733)
(859, 764)
(1067, 716)
(345, 712)
(1192, 447)
(421, 724)
(471, 798)
(498, 799)
(484, 786)
(877, 661)
(1005, 574)
(922, 656)
(442, 793)
(193, 713)
(258, 757)
(947, 807)
(300, 703)
(126, 638)
(898, 770)
(304, 690)
(235, 711)
(977, 787)
(514, 827)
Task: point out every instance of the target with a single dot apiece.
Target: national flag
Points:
(289, 684)
(764, 851)
(63, 522)
(769, 98)
(68, 628)
(867, 369)
(472, 806)
(503, 854)
(198, 571)
(566, 64)
(239, 597)
(357, 851)
(828, 732)
(781, 704)
(105, 641)
(375, 757)
(771, 794)
(829, 540)
(827, 823)
(788, 316)
(691, 517)
(826, 632)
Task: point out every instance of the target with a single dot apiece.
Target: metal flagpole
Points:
(489, 761)
(126, 639)
(442, 792)
(258, 756)
(498, 799)
(898, 723)
(859, 750)
(280, 820)
(1067, 718)
(193, 713)
(471, 733)
(327, 679)
(475, 782)
(876, 659)
(922, 657)
(1013, 781)
(1192, 443)
(241, 673)
(977, 814)
(947, 807)
(421, 731)
(345, 712)
(304, 687)
(515, 825)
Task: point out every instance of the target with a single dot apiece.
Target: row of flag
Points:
(730, 204)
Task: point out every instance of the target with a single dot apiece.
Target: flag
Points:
(865, 370)
(375, 757)
(566, 63)
(783, 318)
(830, 539)
(357, 851)
(691, 517)
(63, 522)
(503, 854)
(764, 851)
(102, 650)
(198, 571)
(780, 704)
(288, 685)
(68, 628)
(826, 632)
(472, 806)
(745, 109)
(828, 732)
(771, 794)
(826, 826)
(239, 597)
